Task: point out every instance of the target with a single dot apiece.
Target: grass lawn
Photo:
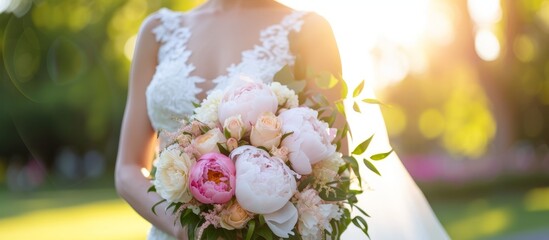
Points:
(495, 215)
(100, 214)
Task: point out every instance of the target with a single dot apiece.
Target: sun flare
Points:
(378, 41)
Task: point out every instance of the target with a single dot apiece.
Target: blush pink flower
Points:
(310, 141)
(212, 179)
(248, 99)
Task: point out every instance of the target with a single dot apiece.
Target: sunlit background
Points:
(465, 85)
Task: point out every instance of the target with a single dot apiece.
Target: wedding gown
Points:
(398, 208)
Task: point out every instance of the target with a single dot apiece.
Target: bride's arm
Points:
(317, 48)
(137, 137)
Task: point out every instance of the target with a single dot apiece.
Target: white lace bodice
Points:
(173, 88)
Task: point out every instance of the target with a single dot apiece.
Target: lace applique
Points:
(173, 88)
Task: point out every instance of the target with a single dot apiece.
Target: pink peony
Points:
(249, 100)
(212, 179)
(310, 141)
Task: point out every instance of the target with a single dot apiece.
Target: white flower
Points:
(263, 184)
(266, 131)
(207, 143)
(172, 175)
(326, 170)
(315, 215)
(283, 220)
(248, 99)
(284, 95)
(310, 141)
(195, 209)
(235, 127)
(207, 112)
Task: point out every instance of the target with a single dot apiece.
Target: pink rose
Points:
(212, 179)
(310, 141)
(249, 100)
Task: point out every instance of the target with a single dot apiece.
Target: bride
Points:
(180, 57)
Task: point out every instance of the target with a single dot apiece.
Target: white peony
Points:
(207, 112)
(248, 99)
(282, 221)
(284, 95)
(172, 174)
(263, 184)
(310, 141)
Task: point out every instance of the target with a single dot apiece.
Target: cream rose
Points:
(235, 127)
(207, 143)
(235, 217)
(232, 143)
(266, 131)
(171, 178)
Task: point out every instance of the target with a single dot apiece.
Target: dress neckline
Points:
(286, 21)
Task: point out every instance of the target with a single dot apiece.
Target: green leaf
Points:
(325, 80)
(229, 234)
(204, 129)
(361, 148)
(284, 75)
(344, 89)
(305, 182)
(362, 211)
(175, 207)
(340, 107)
(251, 228)
(223, 150)
(356, 107)
(346, 130)
(297, 86)
(151, 189)
(361, 223)
(286, 135)
(212, 235)
(339, 195)
(354, 166)
(226, 133)
(261, 220)
(265, 232)
(156, 204)
(371, 166)
(196, 105)
(330, 119)
(263, 148)
(372, 101)
(358, 89)
(381, 156)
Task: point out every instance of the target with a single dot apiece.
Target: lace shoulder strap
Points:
(294, 21)
(170, 24)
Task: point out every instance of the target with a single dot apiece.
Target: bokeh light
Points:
(487, 45)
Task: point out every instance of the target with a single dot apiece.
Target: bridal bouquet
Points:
(254, 162)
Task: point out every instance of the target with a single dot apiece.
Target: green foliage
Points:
(362, 147)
